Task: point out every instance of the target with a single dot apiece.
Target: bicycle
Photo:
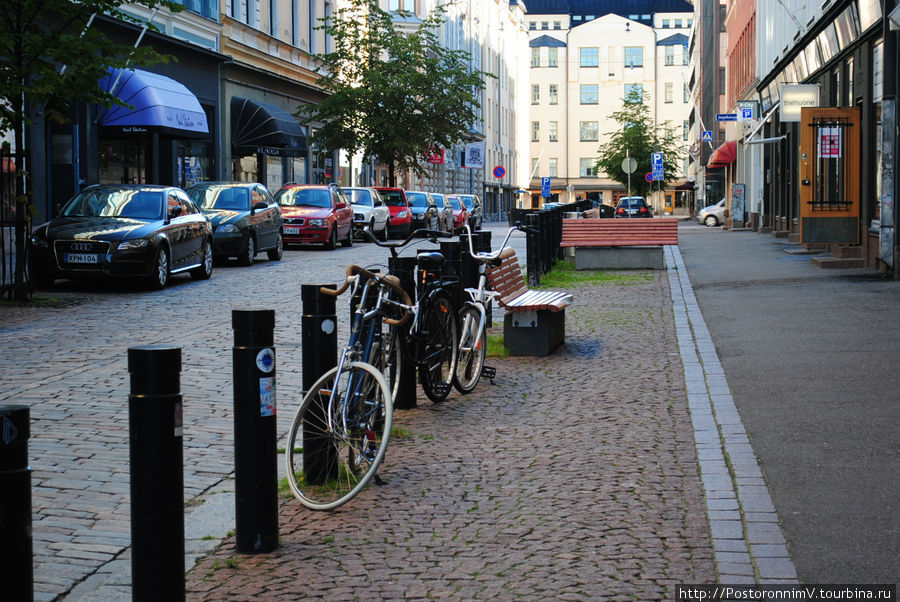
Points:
(431, 341)
(340, 432)
(472, 348)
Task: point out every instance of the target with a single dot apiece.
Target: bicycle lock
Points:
(157, 473)
(255, 431)
(15, 503)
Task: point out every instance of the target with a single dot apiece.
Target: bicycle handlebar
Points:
(486, 257)
(420, 233)
(392, 282)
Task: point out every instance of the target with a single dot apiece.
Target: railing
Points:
(8, 165)
(543, 240)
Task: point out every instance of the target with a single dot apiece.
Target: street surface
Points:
(597, 472)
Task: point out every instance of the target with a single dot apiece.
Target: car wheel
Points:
(384, 233)
(206, 266)
(278, 252)
(332, 238)
(711, 221)
(249, 254)
(160, 274)
(348, 242)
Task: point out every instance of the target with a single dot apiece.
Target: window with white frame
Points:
(669, 92)
(590, 94)
(589, 131)
(552, 57)
(553, 170)
(589, 57)
(670, 56)
(535, 131)
(535, 94)
(554, 94)
(535, 57)
(552, 132)
(634, 57)
(587, 167)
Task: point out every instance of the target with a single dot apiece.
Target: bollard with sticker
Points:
(255, 431)
(15, 504)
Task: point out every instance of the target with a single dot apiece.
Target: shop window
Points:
(125, 161)
(194, 163)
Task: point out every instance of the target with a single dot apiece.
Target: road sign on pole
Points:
(707, 136)
(648, 176)
(545, 188)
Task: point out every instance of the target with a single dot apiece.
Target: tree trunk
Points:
(391, 181)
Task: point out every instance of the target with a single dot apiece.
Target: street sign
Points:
(726, 116)
(748, 109)
(648, 176)
(656, 160)
(746, 114)
(707, 136)
(629, 164)
(545, 188)
(499, 172)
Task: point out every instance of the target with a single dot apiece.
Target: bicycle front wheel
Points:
(338, 436)
(472, 350)
(438, 359)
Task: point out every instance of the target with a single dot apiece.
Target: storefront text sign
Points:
(796, 96)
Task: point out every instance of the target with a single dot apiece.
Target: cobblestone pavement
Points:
(575, 475)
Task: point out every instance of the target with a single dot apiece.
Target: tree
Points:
(639, 138)
(396, 96)
(50, 58)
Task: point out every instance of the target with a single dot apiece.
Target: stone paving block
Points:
(776, 568)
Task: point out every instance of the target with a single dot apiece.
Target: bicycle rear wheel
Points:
(337, 441)
(472, 351)
(437, 361)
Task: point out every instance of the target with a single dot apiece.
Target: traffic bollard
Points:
(157, 473)
(15, 504)
(533, 249)
(255, 431)
(319, 344)
(404, 268)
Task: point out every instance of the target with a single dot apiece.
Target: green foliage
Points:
(392, 94)
(565, 276)
(638, 136)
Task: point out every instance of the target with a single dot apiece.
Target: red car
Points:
(460, 212)
(395, 199)
(315, 213)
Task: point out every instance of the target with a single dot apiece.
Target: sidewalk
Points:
(575, 475)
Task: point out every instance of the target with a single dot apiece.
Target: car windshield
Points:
(231, 198)
(359, 196)
(392, 198)
(468, 201)
(304, 197)
(135, 204)
(417, 199)
(454, 202)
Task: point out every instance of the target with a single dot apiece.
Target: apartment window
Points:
(634, 57)
(589, 131)
(689, 22)
(685, 129)
(670, 56)
(535, 131)
(677, 23)
(557, 25)
(587, 167)
(545, 25)
(634, 89)
(589, 57)
(535, 57)
(685, 55)
(205, 8)
(535, 94)
(669, 92)
(552, 57)
(532, 25)
(686, 94)
(666, 23)
(554, 94)
(589, 94)
(553, 170)
(534, 165)
(551, 131)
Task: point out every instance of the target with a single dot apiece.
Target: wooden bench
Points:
(625, 243)
(535, 321)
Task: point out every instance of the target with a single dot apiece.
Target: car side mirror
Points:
(340, 205)
(174, 212)
(258, 206)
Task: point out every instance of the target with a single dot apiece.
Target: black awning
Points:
(259, 127)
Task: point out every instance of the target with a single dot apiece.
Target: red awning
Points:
(724, 155)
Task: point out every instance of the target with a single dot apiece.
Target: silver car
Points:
(369, 211)
(713, 215)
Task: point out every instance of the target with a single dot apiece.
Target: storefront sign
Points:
(796, 96)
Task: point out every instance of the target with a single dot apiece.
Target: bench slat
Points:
(507, 280)
(619, 232)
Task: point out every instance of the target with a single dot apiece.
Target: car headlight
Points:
(318, 223)
(401, 214)
(137, 243)
(39, 241)
(226, 228)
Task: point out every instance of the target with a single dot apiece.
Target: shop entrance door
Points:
(829, 175)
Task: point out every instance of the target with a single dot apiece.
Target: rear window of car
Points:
(633, 203)
(417, 199)
(304, 197)
(468, 201)
(359, 197)
(454, 202)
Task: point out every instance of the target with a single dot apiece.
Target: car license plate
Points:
(81, 258)
(291, 230)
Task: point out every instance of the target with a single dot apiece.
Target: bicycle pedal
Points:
(489, 373)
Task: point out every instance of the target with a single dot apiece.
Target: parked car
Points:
(445, 211)
(460, 213)
(369, 211)
(633, 206)
(143, 231)
(401, 214)
(473, 206)
(316, 213)
(713, 215)
(424, 210)
(244, 217)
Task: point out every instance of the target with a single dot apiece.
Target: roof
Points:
(678, 39)
(548, 41)
(602, 7)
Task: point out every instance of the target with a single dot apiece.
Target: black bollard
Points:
(255, 431)
(157, 473)
(533, 249)
(15, 504)
(319, 344)
(404, 268)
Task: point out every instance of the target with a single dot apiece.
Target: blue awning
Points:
(160, 103)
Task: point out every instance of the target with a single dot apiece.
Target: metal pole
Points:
(15, 504)
(255, 433)
(157, 473)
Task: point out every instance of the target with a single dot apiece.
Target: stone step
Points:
(854, 252)
(839, 262)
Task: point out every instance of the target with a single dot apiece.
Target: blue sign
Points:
(658, 175)
(746, 114)
(499, 172)
(707, 136)
(726, 116)
(545, 188)
(656, 160)
(648, 177)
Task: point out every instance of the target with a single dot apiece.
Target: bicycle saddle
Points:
(430, 261)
